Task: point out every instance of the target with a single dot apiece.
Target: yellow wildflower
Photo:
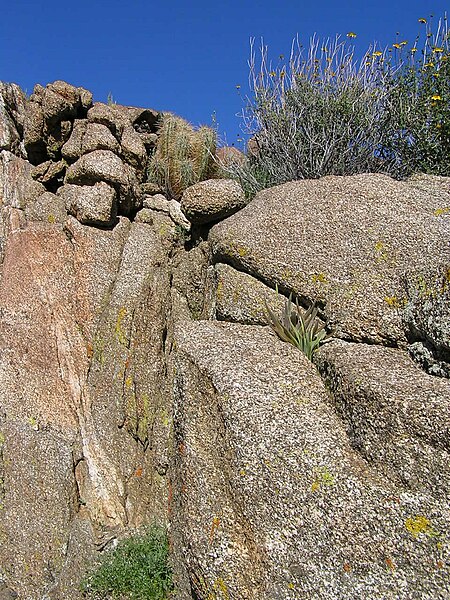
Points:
(413, 50)
(438, 49)
(403, 42)
(436, 97)
(377, 53)
(238, 87)
(396, 46)
(351, 34)
(272, 73)
(422, 20)
(429, 64)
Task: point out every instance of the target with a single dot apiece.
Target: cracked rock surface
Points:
(139, 383)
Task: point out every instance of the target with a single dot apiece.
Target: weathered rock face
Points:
(348, 242)
(87, 137)
(272, 501)
(90, 204)
(123, 400)
(48, 118)
(397, 416)
(84, 404)
(77, 394)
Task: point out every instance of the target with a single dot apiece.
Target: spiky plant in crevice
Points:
(183, 155)
(298, 326)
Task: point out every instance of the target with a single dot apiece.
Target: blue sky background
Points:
(184, 57)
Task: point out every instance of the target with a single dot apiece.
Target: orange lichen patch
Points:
(169, 497)
(182, 449)
(138, 472)
(214, 526)
(389, 563)
(347, 567)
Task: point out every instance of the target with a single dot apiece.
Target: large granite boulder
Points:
(271, 499)
(133, 149)
(87, 137)
(396, 415)
(113, 116)
(351, 243)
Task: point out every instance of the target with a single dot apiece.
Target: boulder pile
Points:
(139, 380)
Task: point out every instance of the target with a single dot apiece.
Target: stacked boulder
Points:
(91, 156)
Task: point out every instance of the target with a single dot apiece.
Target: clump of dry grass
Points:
(183, 155)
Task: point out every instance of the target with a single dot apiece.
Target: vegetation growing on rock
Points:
(137, 569)
(323, 113)
(183, 156)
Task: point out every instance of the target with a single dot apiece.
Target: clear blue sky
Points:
(184, 57)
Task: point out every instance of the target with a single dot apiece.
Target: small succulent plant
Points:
(299, 327)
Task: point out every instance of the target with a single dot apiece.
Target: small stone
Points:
(48, 171)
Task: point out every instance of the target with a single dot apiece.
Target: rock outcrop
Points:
(272, 500)
(139, 381)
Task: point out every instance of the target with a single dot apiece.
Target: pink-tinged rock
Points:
(81, 331)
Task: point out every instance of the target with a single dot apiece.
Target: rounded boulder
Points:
(212, 200)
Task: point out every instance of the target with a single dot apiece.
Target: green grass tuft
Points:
(137, 569)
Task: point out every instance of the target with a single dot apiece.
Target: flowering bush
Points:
(323, 113)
